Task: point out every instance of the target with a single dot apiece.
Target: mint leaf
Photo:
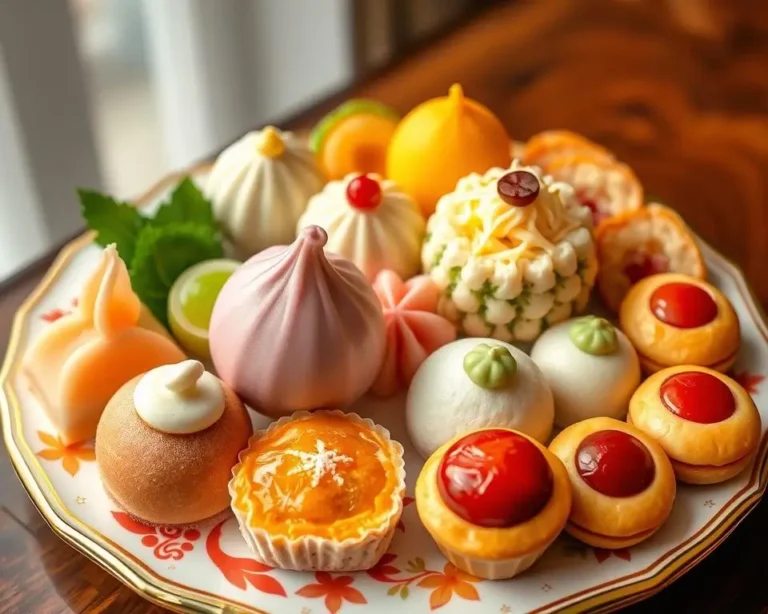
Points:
(165, 252)
(187, 204)
(114, 222)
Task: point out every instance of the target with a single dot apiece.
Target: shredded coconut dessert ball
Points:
(512, 253)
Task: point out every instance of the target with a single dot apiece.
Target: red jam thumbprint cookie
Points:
(707, 423)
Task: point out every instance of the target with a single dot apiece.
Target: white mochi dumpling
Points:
(474, 383)
(592, 369)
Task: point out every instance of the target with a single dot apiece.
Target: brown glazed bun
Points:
(168, 479)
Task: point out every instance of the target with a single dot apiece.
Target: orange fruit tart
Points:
(606, 186)
(623, 483)
(675, 319)
(319, 491)
(707, 423)
(546, 145)
(493, 500)
(642, 242)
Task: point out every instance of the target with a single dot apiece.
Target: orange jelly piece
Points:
(79, 362)
(323, 475)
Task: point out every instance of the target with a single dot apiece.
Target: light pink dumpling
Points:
(296, 328)
(414, 330)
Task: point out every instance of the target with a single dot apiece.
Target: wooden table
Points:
(677, 88)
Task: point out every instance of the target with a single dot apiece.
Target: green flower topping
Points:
(490, 366)
(593, 335)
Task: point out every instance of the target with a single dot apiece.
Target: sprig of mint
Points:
(113, 221)
(156, 250)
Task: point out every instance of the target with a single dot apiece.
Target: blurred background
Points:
(112, 94)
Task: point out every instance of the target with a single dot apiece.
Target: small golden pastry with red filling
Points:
(706, 422)
(640, 243)
(674, 319)
(319, 491)
(544, 146)
(493, 500)
(623, 483)
(607, 186)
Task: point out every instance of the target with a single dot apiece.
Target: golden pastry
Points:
(623, 483)
(493, 501)
(707, 423)
(675, 319)
(642, 242)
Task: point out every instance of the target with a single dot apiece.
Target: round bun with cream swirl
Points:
(166, 444)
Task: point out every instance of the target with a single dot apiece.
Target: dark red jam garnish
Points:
(518, 188)
(683, 305)
(494, 478)
(698, 397)
(641, 264)
(364, 192)
(615, 463)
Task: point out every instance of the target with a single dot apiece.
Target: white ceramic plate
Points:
(209, 569)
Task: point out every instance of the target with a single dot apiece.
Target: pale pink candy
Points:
(297, 328)
(414, 330)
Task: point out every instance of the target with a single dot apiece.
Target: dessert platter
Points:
(398, 363)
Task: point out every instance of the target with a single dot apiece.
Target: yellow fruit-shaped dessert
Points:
(441, 141)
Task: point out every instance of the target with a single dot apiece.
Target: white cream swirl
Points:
(504, 232)
(179, 399)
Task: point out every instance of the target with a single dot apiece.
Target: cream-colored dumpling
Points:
(387, 236)
(586, 385)
(444, 401)
(260, 186)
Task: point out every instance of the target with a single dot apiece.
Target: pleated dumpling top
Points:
(260, 186)
(297, 328)
(370, 221)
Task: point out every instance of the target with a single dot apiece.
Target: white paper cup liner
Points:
(493, 570)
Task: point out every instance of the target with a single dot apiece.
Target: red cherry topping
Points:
(495, 478)
(518, 188)
(698, 397)
(683, 305)
(364, 193)
(641, 264)
(615, 463)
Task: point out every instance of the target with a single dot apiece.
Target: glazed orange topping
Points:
(320, 475)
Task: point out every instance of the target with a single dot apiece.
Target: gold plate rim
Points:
(113, 559)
